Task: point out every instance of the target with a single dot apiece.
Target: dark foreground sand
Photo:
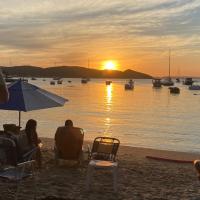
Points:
(139, 178)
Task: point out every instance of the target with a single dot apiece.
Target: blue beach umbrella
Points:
(24, 96)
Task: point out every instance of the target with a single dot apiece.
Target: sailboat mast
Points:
(169, 62)
(88, 63)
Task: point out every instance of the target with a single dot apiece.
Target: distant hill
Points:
(71, 72)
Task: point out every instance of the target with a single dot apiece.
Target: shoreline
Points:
(143, 151)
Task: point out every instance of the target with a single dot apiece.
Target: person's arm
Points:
(35, 139)
(56, 134)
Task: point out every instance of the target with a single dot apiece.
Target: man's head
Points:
(69, 123)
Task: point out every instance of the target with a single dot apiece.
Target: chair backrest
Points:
(69, 142)
(8, 152)
(23, 143)
(105, 148)
(11, 128)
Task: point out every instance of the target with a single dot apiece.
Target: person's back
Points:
(28, 139)
(23, 143)
(69, 141)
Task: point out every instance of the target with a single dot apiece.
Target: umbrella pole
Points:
(19, 118)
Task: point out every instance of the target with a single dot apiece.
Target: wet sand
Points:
(138, 178)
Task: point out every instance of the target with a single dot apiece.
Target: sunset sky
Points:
(137, 34)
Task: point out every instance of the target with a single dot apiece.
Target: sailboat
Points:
(178, 76)
(168, 81)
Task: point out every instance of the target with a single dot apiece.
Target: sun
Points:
(110, 65)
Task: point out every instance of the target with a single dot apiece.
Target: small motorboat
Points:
(194, 87)
(129, 85)
(84, 81)
(188, 81)
(108, 82)
(52, 83)
(59, 81)
(157, 83)
(167, 82)
(33, 79)
(174, 90)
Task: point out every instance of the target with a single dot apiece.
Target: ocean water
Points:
(144, 117)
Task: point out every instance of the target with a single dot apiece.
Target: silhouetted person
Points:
(28, 140)
(197, 167)
(68, 141)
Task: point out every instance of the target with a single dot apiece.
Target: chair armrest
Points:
(29, 154)
(89, 152)
(25, 163)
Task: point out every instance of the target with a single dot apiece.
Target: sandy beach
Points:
(138, 178)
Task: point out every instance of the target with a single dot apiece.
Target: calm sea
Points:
(144, 117)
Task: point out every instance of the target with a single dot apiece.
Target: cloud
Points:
(65, 30)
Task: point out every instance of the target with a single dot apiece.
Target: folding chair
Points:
(11, 168)
(103, 156)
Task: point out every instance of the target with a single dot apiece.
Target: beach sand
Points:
(138, 178)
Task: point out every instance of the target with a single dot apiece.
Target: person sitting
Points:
(197, 167)
(28, 139)
(68, 142)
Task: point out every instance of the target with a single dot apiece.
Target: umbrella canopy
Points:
(24, 96)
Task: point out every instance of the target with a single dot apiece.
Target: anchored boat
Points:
(129, 85)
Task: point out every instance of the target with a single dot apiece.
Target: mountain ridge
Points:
(70, 72)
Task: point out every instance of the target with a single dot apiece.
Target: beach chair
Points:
(103, 156)
(69, 145)
(12, 169)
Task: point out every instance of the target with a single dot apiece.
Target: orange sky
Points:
(137, 34)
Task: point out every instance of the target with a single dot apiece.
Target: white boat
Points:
(194, 86)
(157, 83)
(168, 81)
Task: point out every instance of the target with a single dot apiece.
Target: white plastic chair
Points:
(103, 156)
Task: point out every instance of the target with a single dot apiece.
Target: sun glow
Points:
(110, 65)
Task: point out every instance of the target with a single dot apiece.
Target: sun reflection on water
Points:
(109, 91)
(107, 121)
